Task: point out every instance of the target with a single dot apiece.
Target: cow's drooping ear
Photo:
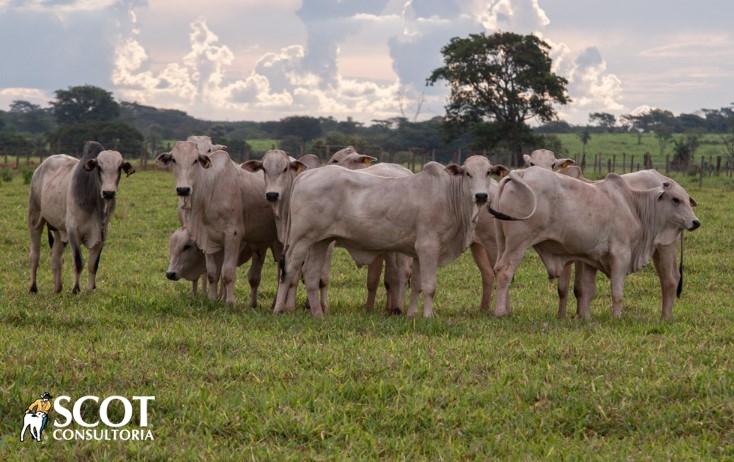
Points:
(252, 165)
(454, 169)
(562, 163)
(365, 159)
(692, 201)
(297, 166)
(90, 164)
(499, 170)
(217, 147)
(163, 159)
(128, 168)
(205, 161)
(528, 160)
(661, 194)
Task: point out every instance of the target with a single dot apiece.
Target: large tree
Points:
(84, 104)
(501, 81)
(604, 120)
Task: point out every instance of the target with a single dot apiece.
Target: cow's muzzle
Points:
(481, 198)
(272, 196)
(695, 225)
(183, 191)
(108, 194)
(171, 275)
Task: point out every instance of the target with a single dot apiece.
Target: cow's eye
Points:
(532, 164)
(173, 161)
(195, 161)
(285, 169)
(187, 247)
(488, 173)
(468, 174)
(676, 201)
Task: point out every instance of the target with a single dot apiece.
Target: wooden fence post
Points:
(667, 164)
(624, 161)
(614, 162)
(583, 161)
(632, 163)
(609, 166)
(17, 160)
(412, 161)
(700, 172)
(718, 165)
(433, 154)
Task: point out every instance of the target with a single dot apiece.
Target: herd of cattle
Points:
(382, 214)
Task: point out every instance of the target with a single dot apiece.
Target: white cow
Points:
(32, 421)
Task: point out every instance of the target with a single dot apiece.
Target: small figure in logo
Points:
(36, 416)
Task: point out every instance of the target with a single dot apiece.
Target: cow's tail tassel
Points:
(679, 290)
(281, 265)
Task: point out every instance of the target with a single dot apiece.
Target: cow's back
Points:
(50, 186)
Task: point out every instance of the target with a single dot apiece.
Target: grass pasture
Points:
(233, 383)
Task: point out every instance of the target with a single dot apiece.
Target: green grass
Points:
(608, 144)
(262, 145)
(233, 383)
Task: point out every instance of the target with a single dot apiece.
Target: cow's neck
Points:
(461, 208)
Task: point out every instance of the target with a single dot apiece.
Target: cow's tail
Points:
(513, 176)
(49, 230)
(679, 289)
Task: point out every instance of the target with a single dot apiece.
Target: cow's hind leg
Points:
(564, 280)
(584, 289)
(415, 289)
(57, 261)
(617, 277)
(76, 252)
(35, 227)
(95, 253)
(481, 259)
(394, 283)
(325, 277)
(504, 271)
(254, 275)
(374, 270)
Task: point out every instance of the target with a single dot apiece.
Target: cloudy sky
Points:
(265, 59)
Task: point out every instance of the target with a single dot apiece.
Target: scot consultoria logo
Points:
(89, 418)
(35, 417)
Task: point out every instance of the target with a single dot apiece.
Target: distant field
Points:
(608, 144)
(233, 383)
(262, 145)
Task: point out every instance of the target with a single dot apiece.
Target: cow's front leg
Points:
(394, 283)
(428, 257)
(312, 276)
(76, 252)
(35, 253)
(617, 277)
(212, 275)
(291, 265)
(481, 259)
(564, 280)
(229, 266)
(374, 270)
(668, 274)
(254, 275)
(95, 253)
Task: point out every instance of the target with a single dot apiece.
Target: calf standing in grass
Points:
(75, 199)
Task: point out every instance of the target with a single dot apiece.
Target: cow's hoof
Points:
(33, 289)
(394, 311)
(75, 290)
(501, 314)
(57, 290)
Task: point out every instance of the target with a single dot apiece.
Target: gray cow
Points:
(75, 199)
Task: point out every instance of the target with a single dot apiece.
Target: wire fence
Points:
(593, 165)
